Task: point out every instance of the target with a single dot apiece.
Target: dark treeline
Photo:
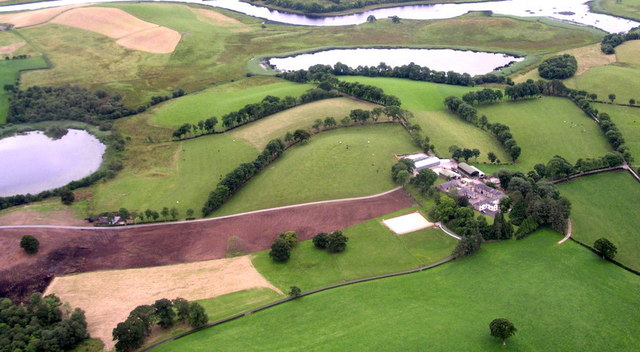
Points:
(470, 114)
(558, 67)
(559, 168)
(243, 173)
(64, 103)
(483, 96)
(611, 41)
(337, 6)
(533, 202)
(40, 325)
(411, 71)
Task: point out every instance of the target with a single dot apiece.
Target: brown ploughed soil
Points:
(67, 251)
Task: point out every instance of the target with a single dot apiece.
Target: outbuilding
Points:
(426, 163)
(470, 170)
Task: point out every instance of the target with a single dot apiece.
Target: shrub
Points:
(337, 242)
(558, 67)
(280, 250)
(66, 196)
(30, 244)
(320, 240)
(295, 291)
(290, 238)
(606, 249)
(197, 315)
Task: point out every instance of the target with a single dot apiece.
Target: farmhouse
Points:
(481, 197)
(470, 170)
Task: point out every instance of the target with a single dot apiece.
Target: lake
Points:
(33, 162)
(473, 63)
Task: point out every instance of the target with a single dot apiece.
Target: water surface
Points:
(473, 63)
(33, 162)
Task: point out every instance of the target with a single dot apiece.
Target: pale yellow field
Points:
(32, 18)
(157, 40)
(9, 49)
(107, 297)
(629, 52)
(111, 22)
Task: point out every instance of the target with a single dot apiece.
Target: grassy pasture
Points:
(546, 127)
(173, 174)
(425, 100)
(9, 72)
(372, 250)
(562, 292)
(210, 54)
(348, 162)
(627, 8)
(259, 133)
(605, 205)
(223, 99)
(628, 121)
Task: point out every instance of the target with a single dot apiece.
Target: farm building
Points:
(448, 174)
(422, 160)
(481, 197)
(470, 170)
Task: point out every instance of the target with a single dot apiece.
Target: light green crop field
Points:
(220, 100)
(372, 250)
(629, 52)
(564, 293)
(546, 127)
(9, 71)
(182, 179)
(426, 101)
(260, 132)
(627, 120)
(348, 162)
(606, 205)
(627, 8)
(210, 53)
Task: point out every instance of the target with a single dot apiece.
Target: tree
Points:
(371, 19)
(280, 250)
(402, 177)
(329, 122)
(502, 329)
(295, 291)
(425, 179)
(632, 101)
(395, 19)
(30, 244)
(164, 312)
(182, 308)
(124, 214)
(320, 240)
(606, 249)
(558, 67)
(476, 153)
(190, 213)
(197, 315)
(317, 124)
(492, 157)
(336, 242)
(467, 246)
(290, 238)
(612, 97)
(129, 334)
(301, 135)
(66, 196)
(174, 213)
(146, 314)
(165, 212)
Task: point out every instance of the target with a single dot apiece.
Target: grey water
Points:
(473, 63)
(575, 11)
(33, 162)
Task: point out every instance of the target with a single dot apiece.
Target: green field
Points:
(627, 8)
(220, 100)
(425, 101)
(628, 121)
(372, 250)
(563, 293)
(546, 127)
(348, 162)
(214, 54)
(9, 71)
(260, 132)
(232, 303)
(606, 205)
(176, 174)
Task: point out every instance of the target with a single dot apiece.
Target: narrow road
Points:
(568, 235)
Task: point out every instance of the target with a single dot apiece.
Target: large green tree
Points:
(606, 249)
(30, 244)
(502, 329)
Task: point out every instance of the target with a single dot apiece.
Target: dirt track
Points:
(65, 251)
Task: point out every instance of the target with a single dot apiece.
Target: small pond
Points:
(473, 63)
(33, 162)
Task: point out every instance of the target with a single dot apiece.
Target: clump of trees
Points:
(40, 325)
(424, 180)
(334, 242)
(605, 248)
(30, 244)
(483, 96)
(502, 329)
(282, 246)
(240, 175)
(64, 103)
(402, 171)
(611, 41)
(463, 153)
(130, 334)
(558, 67)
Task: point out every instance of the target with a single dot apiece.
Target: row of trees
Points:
(334, 242)
(205, 126)
(463, 153)
(40, 325)
(411, 71)
(483, 96)
(611, 41)
(470, 114)
(230, 184)
(559, 168)
(64, 103)
(130, 334)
